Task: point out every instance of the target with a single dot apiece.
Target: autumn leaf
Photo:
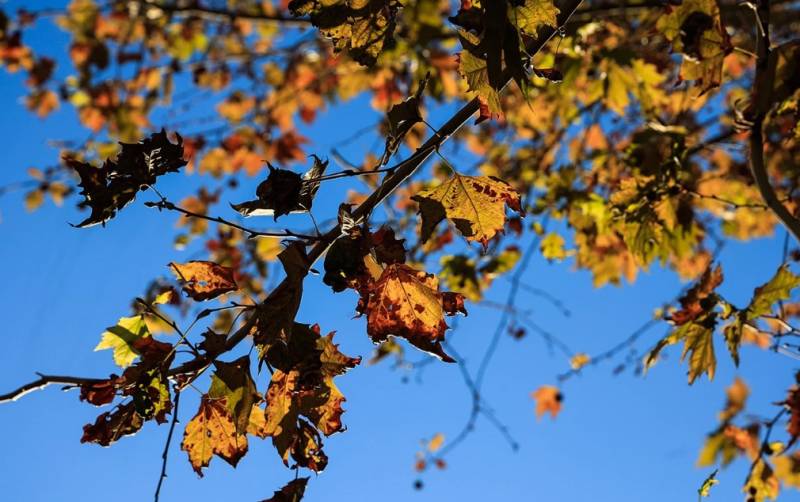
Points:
(275, 315)
(364, 28)
(204, 280)
(111, 426)
(292, 492)
(778, 288)
(121, 339)
(402, 117)
(761, 483)
(284, 192)
(233, 382)
(699, 346)
(530, 15)
(474, 204)
(407, 303)
(708, 483)
(474, 70)
(548, 400)
(212, 432)
(737, 395)
(579, 360)
(696, 30)
(114, 185)
(698, 299)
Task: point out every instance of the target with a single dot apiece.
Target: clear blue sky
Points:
(620, 438)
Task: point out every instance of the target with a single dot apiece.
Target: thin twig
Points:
(165, 454)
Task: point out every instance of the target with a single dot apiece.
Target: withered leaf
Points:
(110, 426)
(698, 299)
(406, 303)
(402, 117)
(212, 432)
(275, 316)
(475, 205)
(292, 492)
(111, 187)
(204, 280)
(284, 192)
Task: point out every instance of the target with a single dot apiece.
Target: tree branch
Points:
(761, 101)
(44, 381)
(225, 14)
(398, 175)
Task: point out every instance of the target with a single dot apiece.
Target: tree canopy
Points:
(620, 137)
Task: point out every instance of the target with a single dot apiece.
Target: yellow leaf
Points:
(212, 432)
(533, 14)
(475, 205)
(121, 338)
(436, 442)
(579, 360)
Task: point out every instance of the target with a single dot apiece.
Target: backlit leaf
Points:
(204, 280)
(474, 204)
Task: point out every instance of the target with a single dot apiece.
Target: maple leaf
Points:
(696, 30)
(530, 15)
(275, 316)
(699, 346)
(548, 400)
(292, 492)
(212, 432)
(204, 280)
(694, 303)
(761, 482)
(475, 205)
(302, 386)
(121, 339)
(778, 288)
(474, 69)
(406, 303)
(114, 185)
(233, 382)
(402, 117)
(291, 435)
(284, 192)
(364, 28)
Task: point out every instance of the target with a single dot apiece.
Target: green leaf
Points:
(778, 288)
(121, 338)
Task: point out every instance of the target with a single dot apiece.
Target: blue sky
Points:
(622, 438)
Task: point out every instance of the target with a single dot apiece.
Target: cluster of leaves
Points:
(606, 132)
